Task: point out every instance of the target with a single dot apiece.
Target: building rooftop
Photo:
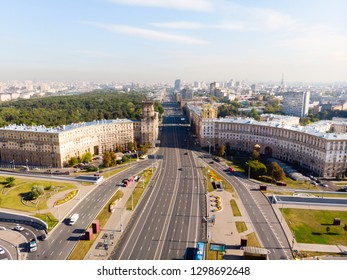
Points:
(318, 129)
(63, 128)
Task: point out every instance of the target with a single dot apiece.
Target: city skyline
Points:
(152, 40)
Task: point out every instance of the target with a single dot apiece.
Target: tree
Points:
(255, 155)
(257, 168)
(254, 114)
(36, 191)
(73, 161)
(276, 172)
(221, 150)
(87, 157)
(9, 182)
(125, 158)
(143, 148)
(10, 179)
(106, 159)
(119, 148)
(113, 158)
(345, 228)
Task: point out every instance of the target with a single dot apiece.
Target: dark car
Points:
(344, 189)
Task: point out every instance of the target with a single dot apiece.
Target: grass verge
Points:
(48, 218)
(252, 240)
(83, 246)
(139, 189)
(213, 255)
(235, 208)
(241, 226)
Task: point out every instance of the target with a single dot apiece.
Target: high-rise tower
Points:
(149, 124)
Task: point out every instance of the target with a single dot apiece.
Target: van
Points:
(74, 218)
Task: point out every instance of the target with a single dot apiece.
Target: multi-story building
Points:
(323, 153)
(177, 85)
(312, 147)
(43, 146)
(149, 124)
(296, 103)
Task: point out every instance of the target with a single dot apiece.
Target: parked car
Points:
(2, 251)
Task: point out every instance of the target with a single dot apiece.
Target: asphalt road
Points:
(167, 220)
(260, 212)
(64, 238)
(29, 232)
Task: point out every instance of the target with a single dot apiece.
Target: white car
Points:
(18, 228)
(2, 251)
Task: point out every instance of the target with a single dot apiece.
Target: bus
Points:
(200, 251)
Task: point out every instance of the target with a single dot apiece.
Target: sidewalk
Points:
(224, 230)
(12, 240)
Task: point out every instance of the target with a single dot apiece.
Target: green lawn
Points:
(10, 198)
(50, 220)
(83, 246)
(139, 189)
(241, 226)
(316, 226)
(235, 209)
(213, 255)
(252, 240)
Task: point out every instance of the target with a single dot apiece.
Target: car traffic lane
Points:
(259, 210)
(65, 237)
(186, 223)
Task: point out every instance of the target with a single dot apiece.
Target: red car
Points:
(231, 169)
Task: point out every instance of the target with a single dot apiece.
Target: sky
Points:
(163, 40)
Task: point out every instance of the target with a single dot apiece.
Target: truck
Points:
(74, 218)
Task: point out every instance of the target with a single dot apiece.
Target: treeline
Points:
(62, 110)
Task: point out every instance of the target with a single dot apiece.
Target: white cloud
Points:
(319, 41)
(148, 34)
(179, 25)
(193, 5)
(269, 19)
(244, 18)
(250, 18)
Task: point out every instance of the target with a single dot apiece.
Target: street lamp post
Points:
(132, 201)
(121, 225)
(58, 214)
(209, 147)
(249, 170)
